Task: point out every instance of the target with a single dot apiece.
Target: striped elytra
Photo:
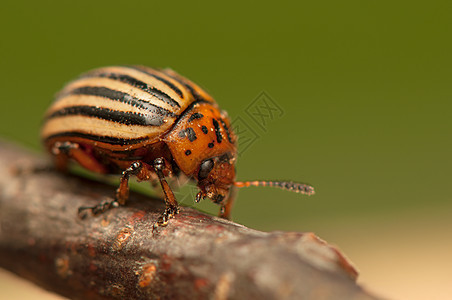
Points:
(148, 123)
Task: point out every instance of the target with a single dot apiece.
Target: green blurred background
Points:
(365, 89)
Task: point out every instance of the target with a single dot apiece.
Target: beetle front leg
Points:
(172, 207)
(122, 193)
(226, 206)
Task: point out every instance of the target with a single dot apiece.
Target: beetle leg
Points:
(170, 200)
(63, 151)
(226, 206)
(99, 208)
(122, 193)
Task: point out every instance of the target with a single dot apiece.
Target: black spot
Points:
(190, 134)
(211, 145)
(188, 152)
(227, 130)
(217, 130)
(204, 129)
(195, 116)
(182, 133)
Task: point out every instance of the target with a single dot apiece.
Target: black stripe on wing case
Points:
(121, 97)
(126, 118)
(97, 138)
(185, 83)
(168, 83)
(139, 84)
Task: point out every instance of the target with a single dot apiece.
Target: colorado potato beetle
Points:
(152, 124)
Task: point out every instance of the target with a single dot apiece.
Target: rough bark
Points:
(117, 255)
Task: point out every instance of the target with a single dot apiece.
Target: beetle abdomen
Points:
(120, 106)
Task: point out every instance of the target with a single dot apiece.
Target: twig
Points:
(116, 254)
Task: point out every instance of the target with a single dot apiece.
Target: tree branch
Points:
(116, 254)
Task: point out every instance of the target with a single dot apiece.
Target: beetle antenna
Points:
(285, 185)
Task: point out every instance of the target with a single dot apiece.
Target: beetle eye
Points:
(205, 168)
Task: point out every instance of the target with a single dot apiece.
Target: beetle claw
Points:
(97, 209)
(198, 197)
(169, 213)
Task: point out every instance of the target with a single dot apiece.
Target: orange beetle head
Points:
(204, 147)
(215, 177)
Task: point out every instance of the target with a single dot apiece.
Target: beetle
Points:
(152, 124)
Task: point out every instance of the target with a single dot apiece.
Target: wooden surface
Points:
(117, 255)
